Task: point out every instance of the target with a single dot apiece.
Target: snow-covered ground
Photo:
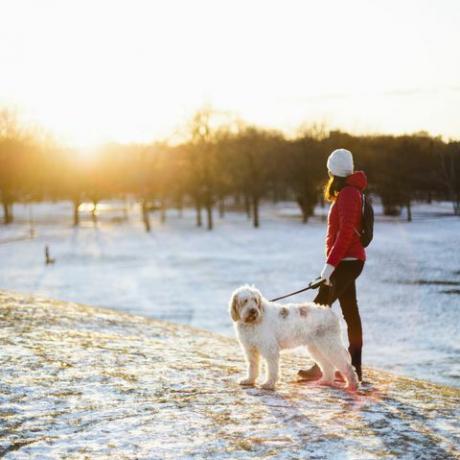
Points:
(79, 382)
(408, 294)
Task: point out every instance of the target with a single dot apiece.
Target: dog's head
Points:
(246, 305)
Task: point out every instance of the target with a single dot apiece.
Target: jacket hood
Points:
(358, 180)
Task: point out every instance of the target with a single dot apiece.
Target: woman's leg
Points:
(350, 311)
(343, 277)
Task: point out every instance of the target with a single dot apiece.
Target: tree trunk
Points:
(409, 212)
(199, 221)
(180, 206)
(247, 205)
(93, 212)
(163, 212)
(145, 215)
(125, 209)
(7, 212)
(304, 209)
(76, 213)
(391, 210)
(209, 215)
(31, 221)
(255, 207)
(222, 207)
(455, 199)
(321, 200)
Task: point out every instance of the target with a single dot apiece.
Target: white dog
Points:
(264, 328)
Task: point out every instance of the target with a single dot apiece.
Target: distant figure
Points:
(345, 251)
(48, 260)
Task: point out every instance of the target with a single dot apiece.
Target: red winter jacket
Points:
(344, 222)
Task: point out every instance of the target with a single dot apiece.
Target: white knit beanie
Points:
(340, 163)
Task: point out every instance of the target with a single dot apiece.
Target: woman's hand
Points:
(326, 273)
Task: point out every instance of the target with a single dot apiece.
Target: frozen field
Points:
(409, 293)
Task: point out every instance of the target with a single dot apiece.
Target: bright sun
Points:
(135, 71)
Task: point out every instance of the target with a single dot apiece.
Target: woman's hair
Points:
(333, 187)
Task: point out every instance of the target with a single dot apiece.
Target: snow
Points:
(408, 293)
(79, 382)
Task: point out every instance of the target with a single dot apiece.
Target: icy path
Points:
(80, 382)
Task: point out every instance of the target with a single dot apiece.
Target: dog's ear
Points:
(234, 312)
(259, 302)
(258, 298)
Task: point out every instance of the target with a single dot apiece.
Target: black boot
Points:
(359, 372)
(314, 373)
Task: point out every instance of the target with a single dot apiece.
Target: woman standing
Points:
(344, 251)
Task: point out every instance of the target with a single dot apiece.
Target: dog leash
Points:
(312, 285)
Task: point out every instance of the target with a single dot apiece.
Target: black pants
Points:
(344, 288)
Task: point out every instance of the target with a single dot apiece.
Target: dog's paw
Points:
(247, 382)
(352, 387)
(268, 386)
(326, 383)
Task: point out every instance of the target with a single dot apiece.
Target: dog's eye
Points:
(245, 301)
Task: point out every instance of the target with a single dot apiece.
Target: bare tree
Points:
(202, 163)
(450, 169)
(18, 160)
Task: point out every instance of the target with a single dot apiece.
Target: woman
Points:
(344, 251)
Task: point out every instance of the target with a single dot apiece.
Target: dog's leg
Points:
(253, 360)
(341, 360)
(323, 362)
(272, 358)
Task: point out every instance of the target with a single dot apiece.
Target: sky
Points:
(127, 71)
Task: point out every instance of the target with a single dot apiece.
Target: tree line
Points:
(228, 164)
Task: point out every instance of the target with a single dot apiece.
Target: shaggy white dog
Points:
(264, 328)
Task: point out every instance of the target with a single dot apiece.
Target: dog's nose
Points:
(252, 311)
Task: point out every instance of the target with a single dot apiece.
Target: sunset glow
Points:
(94, 71)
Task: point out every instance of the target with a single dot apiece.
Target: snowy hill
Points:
(81, 382)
